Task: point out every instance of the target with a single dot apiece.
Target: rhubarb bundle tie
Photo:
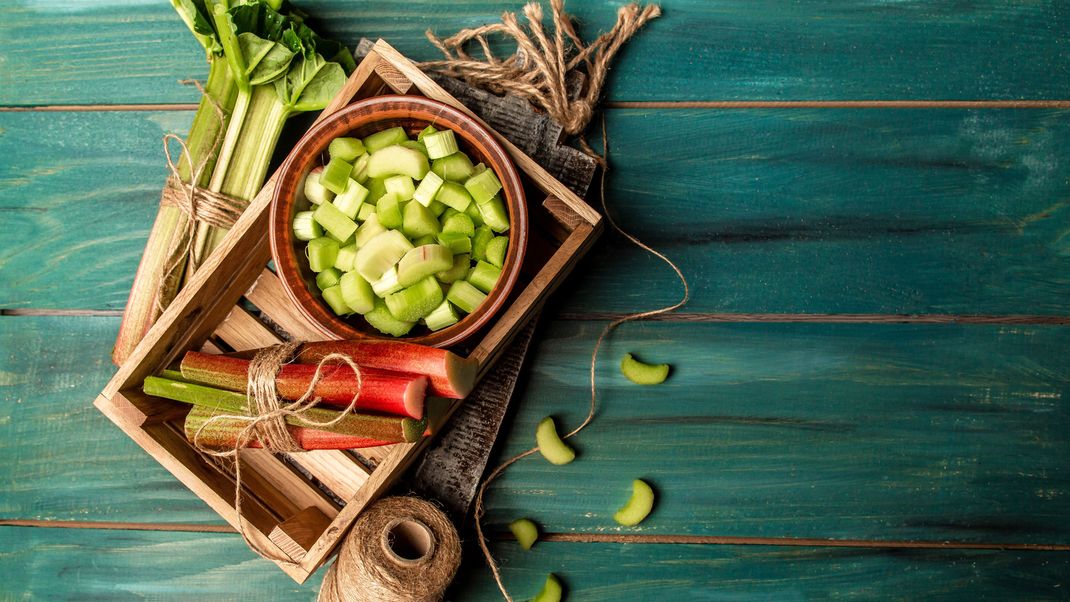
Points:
(199, 204)
(266, 420)
(537, 70)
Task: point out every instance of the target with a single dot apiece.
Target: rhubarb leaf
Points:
(310, 84)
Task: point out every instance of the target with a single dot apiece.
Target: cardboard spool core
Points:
(408, 541)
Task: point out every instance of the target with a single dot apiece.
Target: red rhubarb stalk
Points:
(451, 375)
(223, 433)
(381, 391)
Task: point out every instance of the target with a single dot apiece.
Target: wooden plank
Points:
(906, 211)
(648, 572)
(883, 432)
(698, 50)
(51, 367)
(77, 564)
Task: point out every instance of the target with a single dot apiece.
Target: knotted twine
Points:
(266, 420)
(538, 73)
(200, 205)
(537, 70)
(369, 567)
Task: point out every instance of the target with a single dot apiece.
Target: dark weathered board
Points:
(88, 51)
(855, 431)
(903, 211)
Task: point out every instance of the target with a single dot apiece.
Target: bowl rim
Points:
(305, 153)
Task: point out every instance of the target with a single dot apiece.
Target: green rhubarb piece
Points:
(385, 138)
(314, 189)
(397, 160)
(336, 175)
(455, 168)
(401, 186)
(387, 284)
(376, 189)
(347, 254)
(428, 188)
(496, 250)
(416, 301)
(321, 253)
(334, 221)
(465, 296)
(440, 144)
(454, 195)
(551, 446)
(643, 374)
(423, 261)
(482, 236)
(417, 221)
(443, 316)
(366, 210)
(478, 169)
(551, 590)
(346, 149)
(380, 254)
(458, 243)
(368, 230)
(388, 208)
(484, 276)
(380, 319)
(483, 186)
(473, 212)
(457, 271)
(328, 278)
(428, 239)
(360, 169)
(638, 505)
(426, 132)
(494, 214)
(357, 292)
(525, 532)
(333, 297)
(437, 208)
(415, 145)
(351, 199)
(305, 227)
(459, 223)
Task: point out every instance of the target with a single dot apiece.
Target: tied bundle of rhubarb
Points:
(264, 67)
(313, 396)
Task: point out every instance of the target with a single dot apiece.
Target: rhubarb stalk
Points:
(380, 391)
(391, 429)
(223, 433)
(450, 375)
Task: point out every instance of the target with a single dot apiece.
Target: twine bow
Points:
(537, 70)
(266, 420)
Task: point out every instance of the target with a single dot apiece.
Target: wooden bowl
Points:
(360, 119)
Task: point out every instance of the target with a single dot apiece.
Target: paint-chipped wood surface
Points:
(937, 415)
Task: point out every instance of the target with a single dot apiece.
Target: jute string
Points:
(369, 568)
(198, 204)
(266, 420)
(537, 70)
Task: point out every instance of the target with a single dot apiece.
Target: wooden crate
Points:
(301, 505)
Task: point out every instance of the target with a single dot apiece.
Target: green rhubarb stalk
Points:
(168, 238)
(278, 77)
(382, 428)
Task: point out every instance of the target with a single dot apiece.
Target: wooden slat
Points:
(268, 295)
(881, 432)
(830, 211)
(698, 50)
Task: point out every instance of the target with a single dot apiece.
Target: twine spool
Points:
(400, 549)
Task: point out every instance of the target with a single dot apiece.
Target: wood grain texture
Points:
(690, 573)
(940, 212)
(805, 430)
(68, 564)
(61, 459)
(699, 50)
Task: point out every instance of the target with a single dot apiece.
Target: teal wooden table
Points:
(870, 198)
